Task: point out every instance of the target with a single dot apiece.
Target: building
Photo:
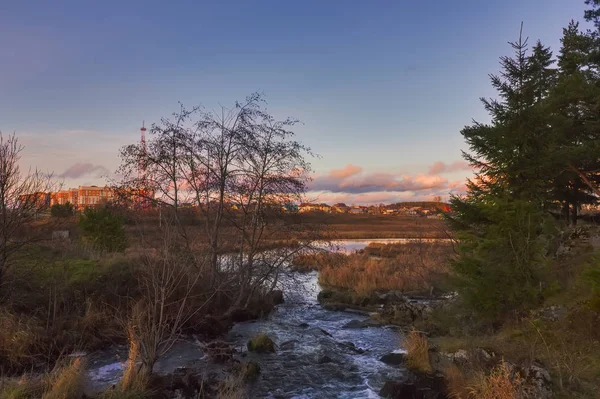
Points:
(83, 196)
(309, 207)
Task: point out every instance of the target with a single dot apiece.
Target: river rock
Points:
(394, 358)
(303, 325)
(276, 297)
(261, 344)
(353, 324)
(538, 383)
(324, 359)
(418, 386)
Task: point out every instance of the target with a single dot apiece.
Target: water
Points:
(323, 359)
(316, 356)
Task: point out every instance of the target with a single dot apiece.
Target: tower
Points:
(141, 165)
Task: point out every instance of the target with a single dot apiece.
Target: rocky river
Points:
(319, 353)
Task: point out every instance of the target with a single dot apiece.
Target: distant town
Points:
(430, 209)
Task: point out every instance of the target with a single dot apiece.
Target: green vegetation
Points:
(103, 229)
(62, 211)
(528, 280)
(261, 344)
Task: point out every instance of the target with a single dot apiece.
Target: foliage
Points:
(103, 228)
(62, 211)
(502, 263)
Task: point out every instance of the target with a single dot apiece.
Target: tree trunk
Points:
(574, 213)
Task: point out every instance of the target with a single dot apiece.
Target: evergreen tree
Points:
(507, 151)
(574, 107)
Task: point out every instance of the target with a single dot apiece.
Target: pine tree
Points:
(507, 151)
(574, 106)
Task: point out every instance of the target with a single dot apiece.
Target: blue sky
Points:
(382, 86)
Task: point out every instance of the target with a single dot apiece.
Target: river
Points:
(316, 357)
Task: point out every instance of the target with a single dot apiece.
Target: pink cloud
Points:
(353, 186)
(441, 167)
(346, 171)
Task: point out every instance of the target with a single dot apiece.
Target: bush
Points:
(62, 211)
(503, 264)
(103, 228)
(261, 344)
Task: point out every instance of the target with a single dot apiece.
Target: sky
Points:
(382, 88)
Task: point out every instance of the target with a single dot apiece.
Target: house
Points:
(340, 207)
(359, 210)
(309, 207)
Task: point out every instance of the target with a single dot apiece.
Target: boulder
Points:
(324, 359)
(418, 386)
(276, 297)
(352, 324)
(538, 383)
(393, 359)
(261, 344)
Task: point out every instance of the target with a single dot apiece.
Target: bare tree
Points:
(23, 198)
(171, 294)
(238, 168)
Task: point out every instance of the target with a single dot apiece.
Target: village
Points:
(433, 210)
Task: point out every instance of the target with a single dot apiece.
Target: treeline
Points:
(537, 162)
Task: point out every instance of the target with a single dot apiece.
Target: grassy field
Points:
(346, 226)
(413, 267)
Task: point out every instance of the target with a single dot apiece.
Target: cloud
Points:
(358, 183)
(352, 185)
(441, 167)
(346, 171)
(83, 169)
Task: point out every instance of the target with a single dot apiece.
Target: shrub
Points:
(503, 264)
(417, 352)
(62, 211)
(261, 344)
(103, 228)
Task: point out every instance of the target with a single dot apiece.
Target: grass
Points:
(413, 267)
(417, 352)
(67, 382)
(501, 383)
(569, 347)
(317, 261)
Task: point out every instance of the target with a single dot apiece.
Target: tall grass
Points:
(67, 382)
(417, 352)
(500, 383)
(402, 267)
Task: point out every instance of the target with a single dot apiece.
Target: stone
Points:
(324, 359)
(261, 344)
(393, 359)
(276, 297)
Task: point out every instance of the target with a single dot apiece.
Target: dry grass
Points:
(390, 267)
(456, 382)
(234, 387)
(67, 382)
(501, 383)
(317, 261)
(417, 348)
